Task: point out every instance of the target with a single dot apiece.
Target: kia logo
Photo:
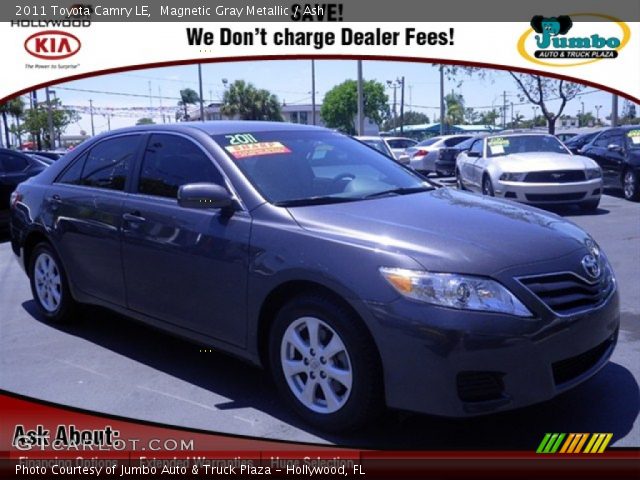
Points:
(591, 265)
(52, 45)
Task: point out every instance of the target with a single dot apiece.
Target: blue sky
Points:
(290, 80)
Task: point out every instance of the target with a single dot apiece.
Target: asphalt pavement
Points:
(107, 363)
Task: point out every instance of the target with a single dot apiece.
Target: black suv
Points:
(617, 151)
(15, 167)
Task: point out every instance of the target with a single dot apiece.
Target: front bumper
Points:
(460, 363)
(549, 193)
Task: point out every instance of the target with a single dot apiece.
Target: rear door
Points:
(85, 208)
(187, 267)
(608, 151)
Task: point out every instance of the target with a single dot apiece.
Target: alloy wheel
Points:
(629, 184)
(316, 365)
(48, 282)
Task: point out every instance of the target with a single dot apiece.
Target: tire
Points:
(49, 285)
(487, 186)
(459, 182)
(631, 185)
(590, 205)
(350, 402)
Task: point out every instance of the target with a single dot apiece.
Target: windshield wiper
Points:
(325, 200)
(399, 191)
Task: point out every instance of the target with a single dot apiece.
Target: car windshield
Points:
(524, 144)
(310, 167)
(379, 145)
(633, 139)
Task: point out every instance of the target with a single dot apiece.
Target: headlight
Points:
(513, 177)
(593, 173)
(455, 291)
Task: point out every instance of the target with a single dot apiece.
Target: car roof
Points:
(399, 138)
(221, 127)
(370, 137)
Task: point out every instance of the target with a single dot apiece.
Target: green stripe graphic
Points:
(554, 449)
(543, 443)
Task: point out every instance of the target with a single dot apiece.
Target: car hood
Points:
(447, 230)
(541, 161)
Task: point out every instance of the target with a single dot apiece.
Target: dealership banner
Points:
(188, 291)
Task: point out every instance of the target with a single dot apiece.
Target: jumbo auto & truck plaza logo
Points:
(562, 41)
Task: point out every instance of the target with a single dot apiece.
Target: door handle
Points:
(133, 217)
(55, 199)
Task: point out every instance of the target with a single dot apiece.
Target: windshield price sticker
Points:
(256, 149)
(497, 144)
(634, 135)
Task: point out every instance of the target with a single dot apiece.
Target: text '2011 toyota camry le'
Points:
(356, 282)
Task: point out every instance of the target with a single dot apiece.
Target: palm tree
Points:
(242, 99)
(455, 108)
(188, 96)
(4, 110)
(16, 109)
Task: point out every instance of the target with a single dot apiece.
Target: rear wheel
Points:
(459, 182)
(487, 186)
(324, 364)
(630, 185)
(49, 285)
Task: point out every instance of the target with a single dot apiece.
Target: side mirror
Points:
(204, 196)
(473, 154)
(614, 148)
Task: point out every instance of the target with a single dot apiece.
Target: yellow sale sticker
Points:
(256, 149)
(634, 135)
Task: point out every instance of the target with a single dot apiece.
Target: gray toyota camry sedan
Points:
(355, 282)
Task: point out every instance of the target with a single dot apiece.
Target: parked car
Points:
(566, 136)
(353, 279)
(399, 145)
(423, 156)
(576, 143)
(446, 161)
(44, 161)
(381, 144)
(530, 168)
(617, 151)
(51, 154)
(15, 167)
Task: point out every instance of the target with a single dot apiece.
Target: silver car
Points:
(423, 156)
(382, 145)
(529, 168)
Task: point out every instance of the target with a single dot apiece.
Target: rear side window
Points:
(452, 142)
(109, 163)
(604, 139)
(11, 163)
(171, 161)
(73, 174)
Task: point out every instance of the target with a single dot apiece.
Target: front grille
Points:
(557, 176)
(480, 386)
(567, 293)
(573, 367)
(554, 197)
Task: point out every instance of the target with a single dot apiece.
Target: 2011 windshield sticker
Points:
(256, 149)
(496, 145)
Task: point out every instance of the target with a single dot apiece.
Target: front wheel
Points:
(49, 285)
(487, 186)
(324, 364)
(630, 185)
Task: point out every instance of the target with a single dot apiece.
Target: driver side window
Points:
(477, 147)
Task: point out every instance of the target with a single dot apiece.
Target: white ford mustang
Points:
(529, 168)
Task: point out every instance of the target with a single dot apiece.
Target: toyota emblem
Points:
(591, 265)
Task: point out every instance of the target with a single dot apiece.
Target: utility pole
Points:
(504, 109)
(52, 133)
(201, 99)
(512, 114)
(402, 106)
(614, 110)
(360, 128)
(393, 84)
(160, 102)
(313, 92)
(442, 100)
(93, 131)
(150, 101)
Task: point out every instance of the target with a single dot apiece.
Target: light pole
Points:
(442, 132)
(598, 107)
(360, 128)
(581, 122)
(52, 134)
(535, 115)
